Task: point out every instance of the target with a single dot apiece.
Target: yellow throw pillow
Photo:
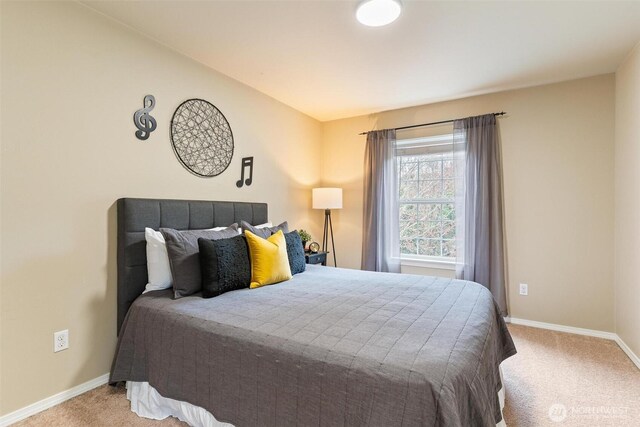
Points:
(269, 259)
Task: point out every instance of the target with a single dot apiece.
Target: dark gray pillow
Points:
(295, 251)
(182, 248)
(265, 232)
(225, 265)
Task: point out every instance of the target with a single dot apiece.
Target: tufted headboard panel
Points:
(136, 214)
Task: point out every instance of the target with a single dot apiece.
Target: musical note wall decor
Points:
(247, 162)
(143, 120)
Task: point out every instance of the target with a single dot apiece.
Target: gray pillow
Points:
(265, 232)
(182, 248)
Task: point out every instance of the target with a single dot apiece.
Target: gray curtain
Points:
(381, 228)
(479, 208)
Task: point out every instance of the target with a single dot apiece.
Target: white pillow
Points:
(265, 225)
(158, 268)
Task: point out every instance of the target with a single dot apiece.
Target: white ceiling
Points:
(315, 57)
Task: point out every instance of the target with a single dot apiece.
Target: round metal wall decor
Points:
(201, 138)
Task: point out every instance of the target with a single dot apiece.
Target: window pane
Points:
(408, 246)
(408, 229)
(430, 229)
(408, 171)
(449, 189)
(448, 170)
(430, 189)
(429, 212)
(431, 170)
(448, 230)
(429, 247)
(408, 212)
(449, 248)
(448, 211)
(408, 190)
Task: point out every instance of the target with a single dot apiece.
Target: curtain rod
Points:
(502, 113)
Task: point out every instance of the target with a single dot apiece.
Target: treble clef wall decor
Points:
(143, 120)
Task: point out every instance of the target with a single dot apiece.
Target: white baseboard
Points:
(579, 331)
(562, 328)
(34, 408)
(634, 358)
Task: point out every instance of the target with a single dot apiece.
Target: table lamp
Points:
(327, 199)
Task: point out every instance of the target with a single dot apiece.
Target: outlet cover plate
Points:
(60, 340)
(524, 289)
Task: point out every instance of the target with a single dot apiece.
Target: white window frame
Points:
(425, 261)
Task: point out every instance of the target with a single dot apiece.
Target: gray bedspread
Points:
(331, 347)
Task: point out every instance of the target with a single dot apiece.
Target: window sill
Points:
(438, 264)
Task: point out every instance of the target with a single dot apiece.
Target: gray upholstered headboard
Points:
(136, 214)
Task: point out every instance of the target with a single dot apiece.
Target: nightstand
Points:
(316, 258)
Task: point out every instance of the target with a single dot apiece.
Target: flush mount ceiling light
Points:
(376, 13)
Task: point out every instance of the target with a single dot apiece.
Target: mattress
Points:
(330, 347)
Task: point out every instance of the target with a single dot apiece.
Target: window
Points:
(427, 198)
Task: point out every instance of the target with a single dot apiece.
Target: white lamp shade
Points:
(327, 198)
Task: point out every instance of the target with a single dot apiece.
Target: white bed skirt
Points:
(148, 403)
(501, 399)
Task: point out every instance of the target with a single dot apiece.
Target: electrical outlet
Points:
(524, 289)
(60, 340)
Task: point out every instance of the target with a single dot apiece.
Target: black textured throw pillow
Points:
(265, 232)
(295, 251)
(209, 268)
(225, 265)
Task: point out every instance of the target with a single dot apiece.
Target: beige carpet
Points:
(590, 381)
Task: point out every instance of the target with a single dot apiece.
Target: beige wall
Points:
(627, 201)
(557, 144)
(71, 80)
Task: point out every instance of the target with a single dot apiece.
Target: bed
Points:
(328, 347)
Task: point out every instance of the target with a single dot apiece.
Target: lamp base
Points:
(328, 229)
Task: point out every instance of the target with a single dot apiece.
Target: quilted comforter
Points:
(331, 347)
